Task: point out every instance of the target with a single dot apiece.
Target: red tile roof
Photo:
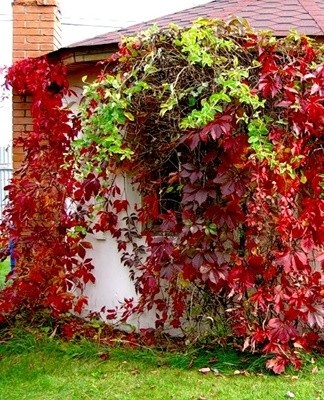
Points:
(280, 16)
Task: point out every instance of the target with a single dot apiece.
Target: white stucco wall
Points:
(112, 283)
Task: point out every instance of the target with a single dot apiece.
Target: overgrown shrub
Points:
(221, 131)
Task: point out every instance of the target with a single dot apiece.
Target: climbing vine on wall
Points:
(48, 239)
(221, 131)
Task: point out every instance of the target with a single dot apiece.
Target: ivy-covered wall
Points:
(220, 130)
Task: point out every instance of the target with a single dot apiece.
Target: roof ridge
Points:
(276, 15)
(151, 21)
(311, 7)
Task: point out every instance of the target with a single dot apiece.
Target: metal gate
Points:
(5, 174)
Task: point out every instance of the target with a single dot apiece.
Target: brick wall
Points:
(36, 28)
(36, 31)
(21, 122)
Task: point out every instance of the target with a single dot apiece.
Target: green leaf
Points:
(129, 116)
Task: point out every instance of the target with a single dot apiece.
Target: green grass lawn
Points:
(33, 366)
(36, 366)
(4, 270)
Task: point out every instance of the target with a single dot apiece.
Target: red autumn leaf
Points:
(86, 245)
(214, 274)
(87, 276)
(230, 214)
(278, 364)
(315, 313)
(197, 193)
(162, 247)
(280, 331)
(78, 307)
(112, 314)
(270, 84)
(231, 180)
(169, 270)
(91, 186)
(191, 172)
(36, 276)
(189, 272)
(120, 205)
(307, 243)
(314, 108)
(261, 298)
(169, 221)
(197, 260)
(215, 129)
(151, 206)
(81, 251)
(292, 261)
(236, 149)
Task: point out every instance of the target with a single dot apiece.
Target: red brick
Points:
(39, 24)
(32, 31)
(36, 29)
(18, 55)
(19, 113)
(19, 128)
(18, 46)
(46, 48)
(21, 120)
(19, 24)
(20, 32)
(25, 2)
(18, 9)
(50, 31)
(28, 47)
(35, 53)
(48, 17)
(39, 39)
(20, 39)
(18, 154)
(26, 17)
(38, 10)
(21, 106)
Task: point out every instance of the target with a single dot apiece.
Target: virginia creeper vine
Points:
(51, 264)
(221, 131)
